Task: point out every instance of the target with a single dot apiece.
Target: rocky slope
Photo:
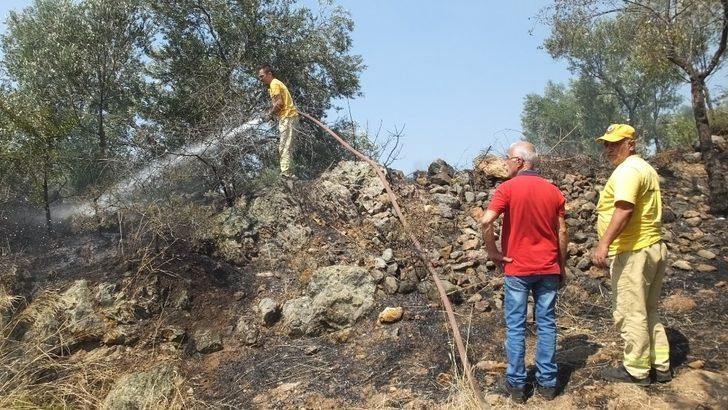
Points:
(312, 297)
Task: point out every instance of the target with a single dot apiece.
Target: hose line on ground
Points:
(420, 252)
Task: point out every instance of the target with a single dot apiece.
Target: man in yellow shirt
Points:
(287, 115)
(629, 223)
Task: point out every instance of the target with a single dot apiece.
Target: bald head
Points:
(525, 151)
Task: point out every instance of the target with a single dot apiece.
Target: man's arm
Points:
(622, 214)
(563, 246)
(486, 225)
(277, 105)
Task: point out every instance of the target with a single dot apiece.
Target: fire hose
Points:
(420, 252)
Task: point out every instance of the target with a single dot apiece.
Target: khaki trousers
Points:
(636, 285)
(286, 127)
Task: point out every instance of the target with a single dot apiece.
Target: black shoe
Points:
(620, 374)
(518, 394)
(546, 393)
(662, 377)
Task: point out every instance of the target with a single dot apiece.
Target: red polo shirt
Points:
(531, 207)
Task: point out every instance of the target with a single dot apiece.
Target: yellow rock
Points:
(391, 315)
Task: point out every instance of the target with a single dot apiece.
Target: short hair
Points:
(266, 69)
(524, 150)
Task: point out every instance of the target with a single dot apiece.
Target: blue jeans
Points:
(544, 289)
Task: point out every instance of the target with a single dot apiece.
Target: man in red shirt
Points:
(533, 242)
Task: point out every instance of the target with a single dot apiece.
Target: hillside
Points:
(276, 302)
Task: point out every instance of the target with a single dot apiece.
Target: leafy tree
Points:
(604, 51)
(32, 146)
(209, 52)
(83, 60)
(689, 35)
(581, 111)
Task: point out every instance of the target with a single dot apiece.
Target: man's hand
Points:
(499, 259)
(599, 256)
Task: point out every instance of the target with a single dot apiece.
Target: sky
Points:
(451, 75)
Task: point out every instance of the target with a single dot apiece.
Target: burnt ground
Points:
(409, 363)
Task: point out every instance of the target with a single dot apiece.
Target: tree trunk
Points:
(714, 157)
(46, 199)
(103, 144)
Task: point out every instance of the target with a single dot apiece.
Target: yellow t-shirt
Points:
(636, 182)
(277, 87)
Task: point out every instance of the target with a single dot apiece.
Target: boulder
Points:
(150, 389)
(439, 166)
(207, 341)
(492, 167)
(60, 321)
(336, 297)
(270, 311)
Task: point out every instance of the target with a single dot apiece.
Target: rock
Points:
(445, 251)
(406, 286)
(705, 268)
(463, 265)
(60, 321)
(475, 298)
(471, 244)
(682, 265)
(207, 341)
(491, 366)
(380, 263)
(694, 221)
(598, 273)
(171, 334)
(469, 197)
(105, 294)
(584, 263)
(692, 157)
(668, 216)
(491, 166)
(391, 285)
(142, 390)
(392, 268)
(440, 166)
(336, 297)
(391, 315)
(440, 178)
(387, 255)
(246, 331)
(704, 253)
(721, 284)
(446, 199)
(121, 335)
(482, 305)
(678, 303)
(270, 311)
(696, 364)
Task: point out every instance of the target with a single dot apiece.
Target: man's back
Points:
(531, 207)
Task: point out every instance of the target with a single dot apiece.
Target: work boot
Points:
(517, 394)
(620, 374)
(662, 377)
(546, 393)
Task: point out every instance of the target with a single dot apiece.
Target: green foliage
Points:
(581, 111)
(679, 129)
(94, 87)
(608, 52)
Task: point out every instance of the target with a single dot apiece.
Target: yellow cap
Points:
(618, 132)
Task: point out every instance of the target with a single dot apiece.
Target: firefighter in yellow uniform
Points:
(283, 108)
(629, 224)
